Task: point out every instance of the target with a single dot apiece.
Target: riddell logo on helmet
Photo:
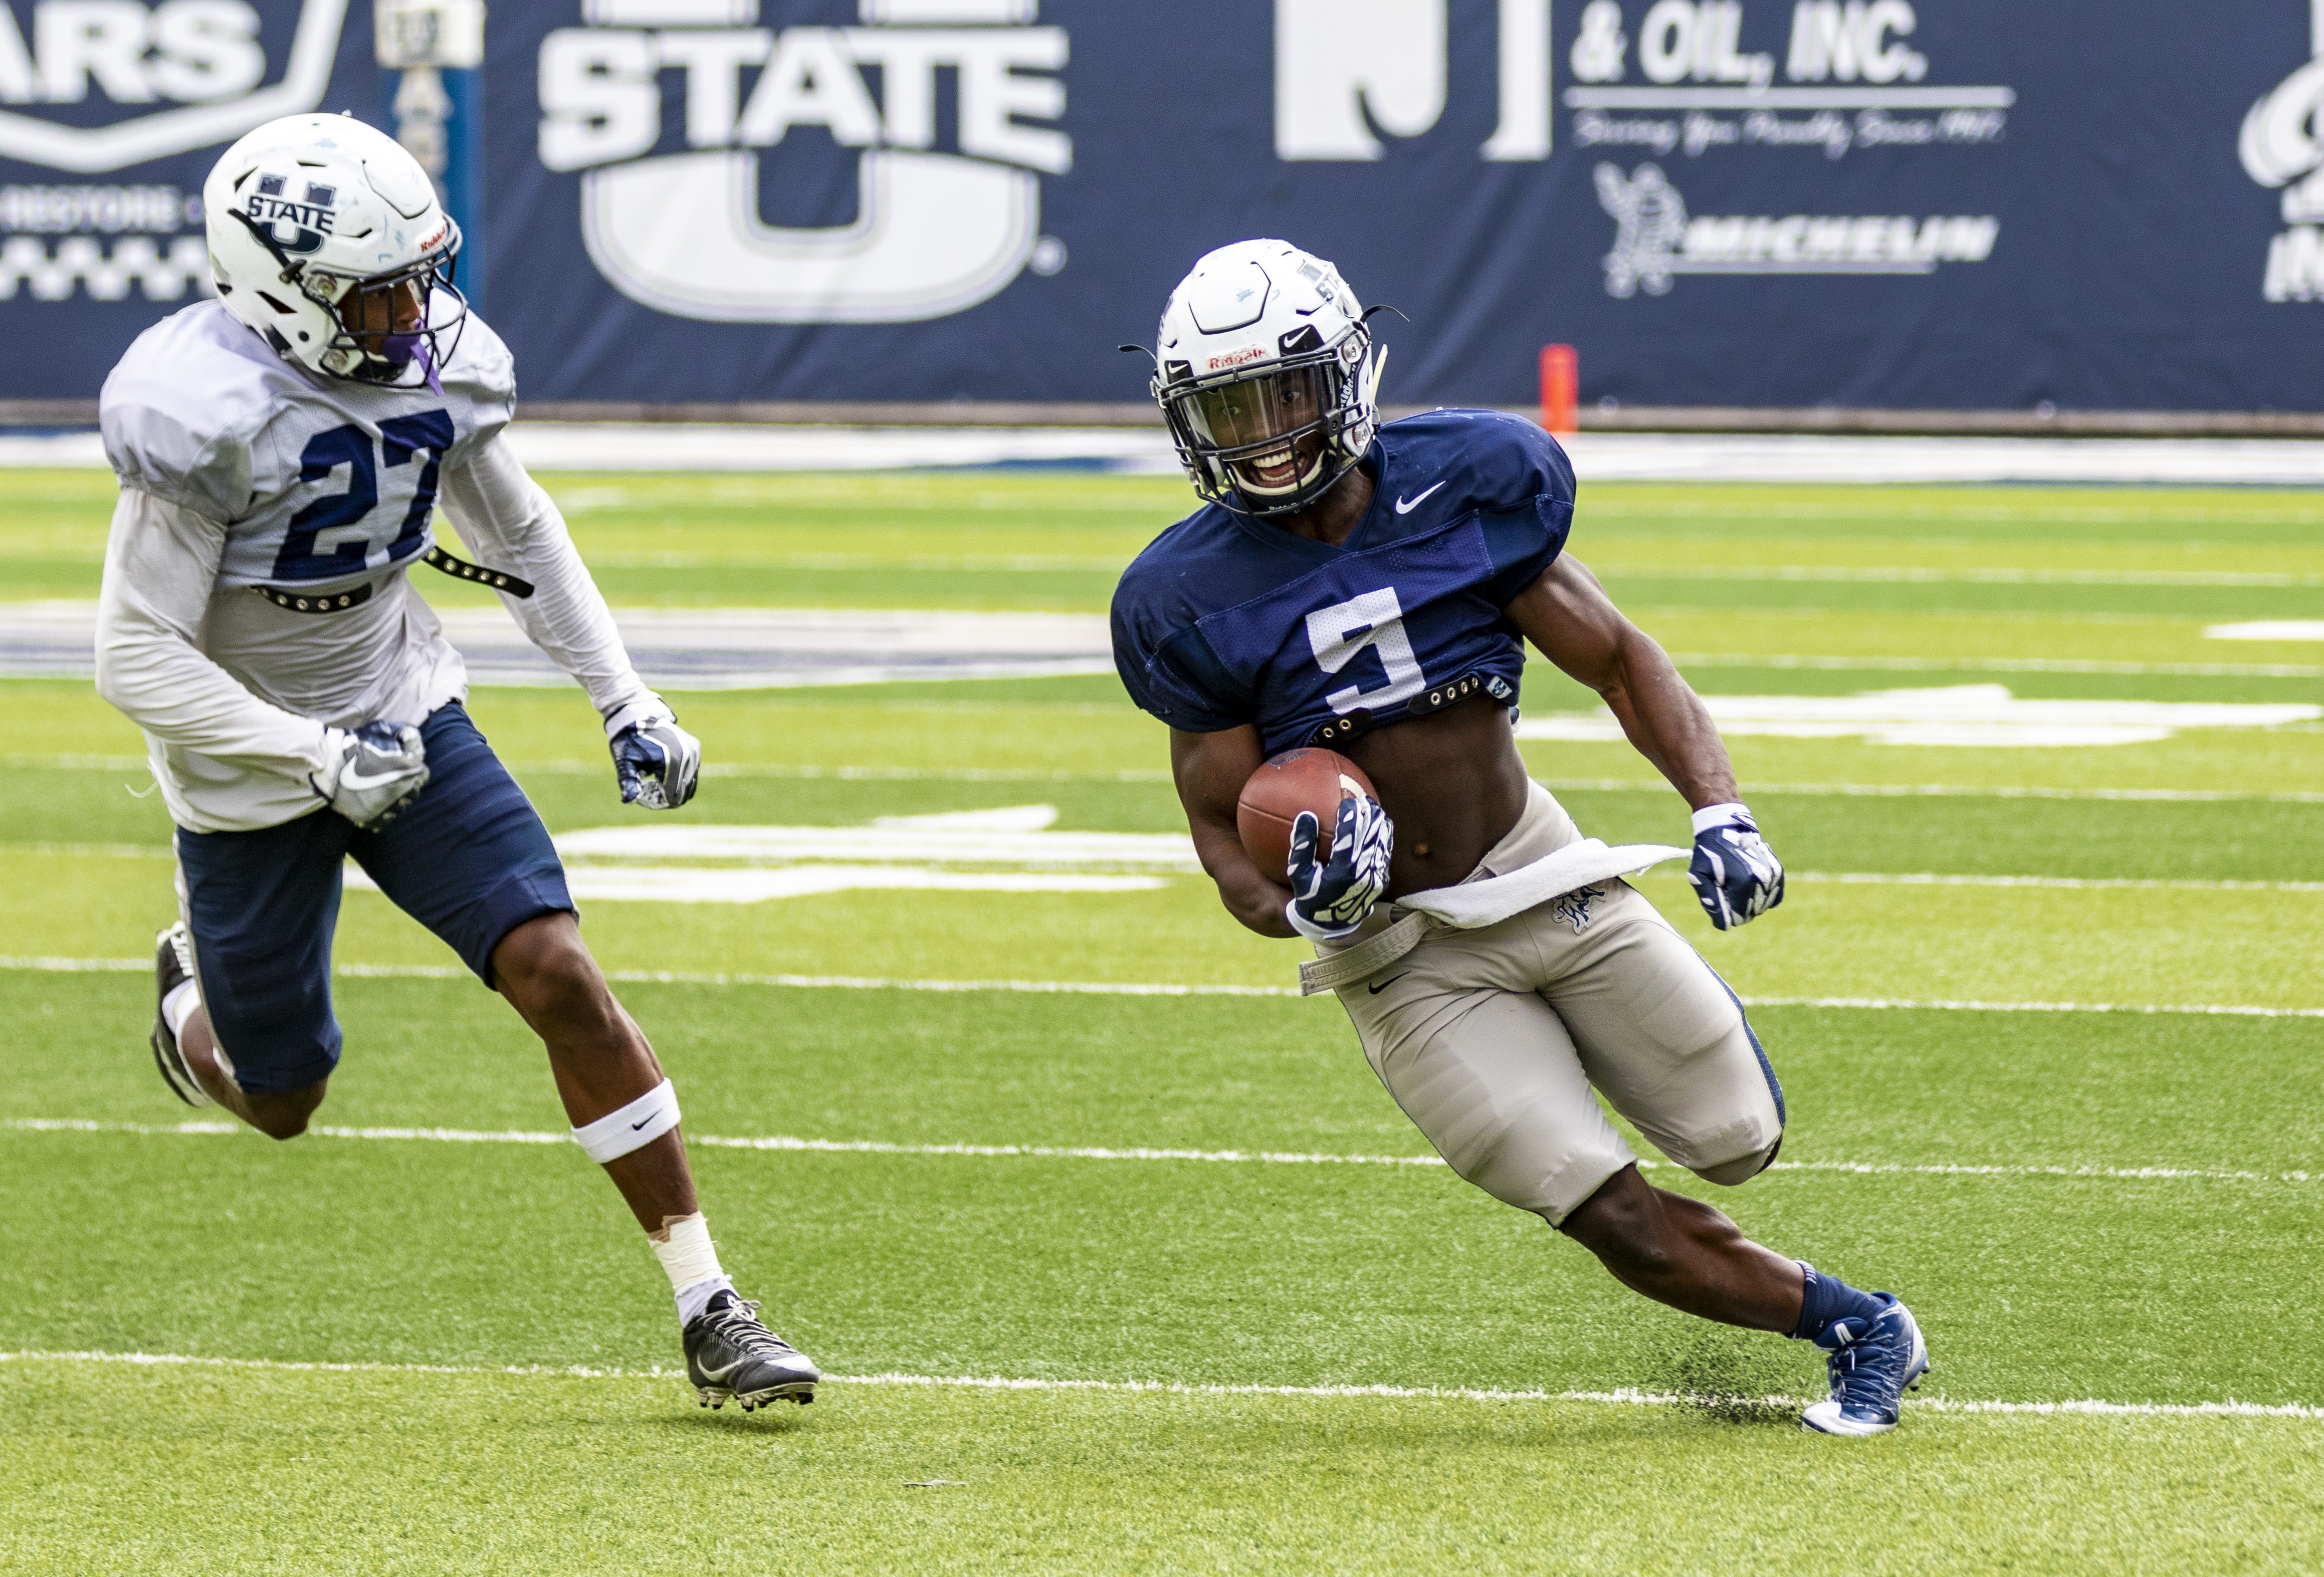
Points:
(1237, 358)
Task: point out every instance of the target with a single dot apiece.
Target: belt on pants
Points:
(1472, 905)
(458, 568)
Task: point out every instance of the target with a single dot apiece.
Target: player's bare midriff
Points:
(1453, 784)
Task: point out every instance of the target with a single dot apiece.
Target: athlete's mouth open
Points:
(1277, 469)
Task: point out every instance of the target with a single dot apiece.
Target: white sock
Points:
(178, 1006)
(692, 1300)
(684, 1248)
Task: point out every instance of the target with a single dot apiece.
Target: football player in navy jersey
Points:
(1371, 588)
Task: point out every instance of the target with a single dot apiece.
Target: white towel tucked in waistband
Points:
(1473, 904)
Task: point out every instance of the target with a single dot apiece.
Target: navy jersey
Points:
(1226, 620)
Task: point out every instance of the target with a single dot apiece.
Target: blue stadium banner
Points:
(1963, 204)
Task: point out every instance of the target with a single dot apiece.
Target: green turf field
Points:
(1150, 1280)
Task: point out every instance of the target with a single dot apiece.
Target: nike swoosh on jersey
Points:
(1383, 985)
(351, 779)
(1405, 506)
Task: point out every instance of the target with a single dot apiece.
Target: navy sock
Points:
(1829, 1298)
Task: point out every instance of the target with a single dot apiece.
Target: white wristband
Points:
(1314, 932)
(633, 1128)
(637, 710)
(1714, 816)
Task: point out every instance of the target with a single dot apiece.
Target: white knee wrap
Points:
(634, 1126)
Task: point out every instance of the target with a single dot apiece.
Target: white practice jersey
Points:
(247, 481)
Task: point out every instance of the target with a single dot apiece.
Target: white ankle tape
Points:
(634, 1126)
(687, 1254)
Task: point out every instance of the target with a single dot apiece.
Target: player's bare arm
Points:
(1570, 620)
(1337, 644)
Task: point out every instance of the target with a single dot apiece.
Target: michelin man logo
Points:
(2282, 145)
(1649, 228)
(935, 234)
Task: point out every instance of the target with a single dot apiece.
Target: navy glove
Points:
(654, 760)
(1330, 898)
(1737, 877)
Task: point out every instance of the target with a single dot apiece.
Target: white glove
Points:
(655, 761)
(373, 772)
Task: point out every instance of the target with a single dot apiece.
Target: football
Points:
(1283, 786)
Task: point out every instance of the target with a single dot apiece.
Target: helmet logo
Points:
(296, 227)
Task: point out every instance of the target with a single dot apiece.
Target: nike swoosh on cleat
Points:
(1405, 506)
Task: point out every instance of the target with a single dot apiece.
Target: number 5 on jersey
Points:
(335, 535)
(1341, 633)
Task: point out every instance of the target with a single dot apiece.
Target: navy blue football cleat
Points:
(1873, 1364)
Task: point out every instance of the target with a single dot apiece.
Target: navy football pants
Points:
(469, 860)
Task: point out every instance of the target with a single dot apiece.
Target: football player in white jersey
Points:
(282, 451)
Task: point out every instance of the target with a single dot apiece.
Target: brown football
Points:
(1293, 781)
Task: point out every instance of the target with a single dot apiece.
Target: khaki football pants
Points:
(1492, 1040)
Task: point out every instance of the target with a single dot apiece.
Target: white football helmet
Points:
(326, 237)
(1265, 375)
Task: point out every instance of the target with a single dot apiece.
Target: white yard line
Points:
(1624, 1397)
(1843, 877)
(784, 1143)
(1157, 775)
(1903, 575)
(1153, 988)
(2003, 665)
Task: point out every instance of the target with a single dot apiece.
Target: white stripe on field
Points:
(1997, 665)
(1150, 989)
(1134, 1153)
(1929, 878)
(1910, 575)
(1136, 775)
(1622, 1397)
(1844, 877)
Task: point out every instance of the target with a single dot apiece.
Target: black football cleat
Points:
(729, 1353)
(173, 965)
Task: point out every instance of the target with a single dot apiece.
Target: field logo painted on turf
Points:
(681, 230)
(2282, 145)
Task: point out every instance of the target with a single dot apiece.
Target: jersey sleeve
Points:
(482, 369)
(1174, 676)
(160, 560)
(1533, 489)
(507, 519)
(161, 444)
